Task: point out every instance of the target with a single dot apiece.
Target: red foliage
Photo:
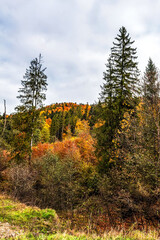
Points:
(67, 148)
(41, 149)
(78, 149)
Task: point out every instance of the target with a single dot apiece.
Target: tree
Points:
(118, 93)
(151, 110)
(125, 71)
(31, 96)
(151, 84)
(4, 127)
(106, 113)
(33, 86)
(55, 125)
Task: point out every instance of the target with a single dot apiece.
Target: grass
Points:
(64, 236)
(43, 224)
(29, 218)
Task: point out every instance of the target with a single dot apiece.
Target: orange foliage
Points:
(78, 149)
(85, 143)
(49, 121)
(67, 148)
(99, 123)
(5, 155)
(41, 149)
(60, 107)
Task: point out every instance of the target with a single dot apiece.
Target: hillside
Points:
(18, 221)
(63, 171)
(54, 122)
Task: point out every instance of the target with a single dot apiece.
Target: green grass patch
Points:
(28, 218)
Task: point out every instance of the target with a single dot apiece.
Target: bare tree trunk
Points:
(158, 133)
(5, 120)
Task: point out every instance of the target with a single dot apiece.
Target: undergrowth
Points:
(44, 224)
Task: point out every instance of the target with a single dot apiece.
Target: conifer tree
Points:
(61, 125)
(34, 84)
(151, 110)
(32, 95)
(118, 93)
(151, 84)
(125, 71)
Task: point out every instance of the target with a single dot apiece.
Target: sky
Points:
(74, 38)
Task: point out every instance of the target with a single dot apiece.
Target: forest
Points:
(97, 165)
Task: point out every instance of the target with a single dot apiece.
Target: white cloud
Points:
(74, 37)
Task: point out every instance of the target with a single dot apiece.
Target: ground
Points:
(7, 231)
(21, 222)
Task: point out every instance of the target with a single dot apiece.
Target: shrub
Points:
(58, 182)
(22, 180)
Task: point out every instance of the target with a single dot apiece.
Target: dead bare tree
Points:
(5, 119)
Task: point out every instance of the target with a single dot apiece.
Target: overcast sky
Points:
(74, 38)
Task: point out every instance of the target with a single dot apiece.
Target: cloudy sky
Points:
(74, 38)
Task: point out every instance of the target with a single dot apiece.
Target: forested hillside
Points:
(97, 165)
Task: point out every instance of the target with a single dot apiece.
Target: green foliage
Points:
(59, 182)
(28, 218)
(151, 84)
(31, 96)
(134, 188)
(36, 136)
(151, 109)
(125, 71)
(33, 85)
(54, 130)
(7, 136)
(118, 93)
(63, 119)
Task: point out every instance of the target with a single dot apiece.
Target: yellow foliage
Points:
(82, 126)
(99, 124)
(42, 112)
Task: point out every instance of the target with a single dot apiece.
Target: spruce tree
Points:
(125, 71)
(151, 111)
(118, 93)
(34, 84)
(151, 84)
(31, 95)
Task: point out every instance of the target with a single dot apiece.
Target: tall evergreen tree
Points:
(151, 110)
(118, 92)
(151, 84)
(34, 84)
(108, 88)
(55, 125)
(125, 71)
(32, 95)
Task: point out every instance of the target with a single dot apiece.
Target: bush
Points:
(134, 189)
(58, 182)
(22, 180)
(51, 181)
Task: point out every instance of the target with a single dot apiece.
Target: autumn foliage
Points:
(79, 149)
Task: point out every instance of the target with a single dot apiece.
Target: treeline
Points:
(62, 118)
(54, 122)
